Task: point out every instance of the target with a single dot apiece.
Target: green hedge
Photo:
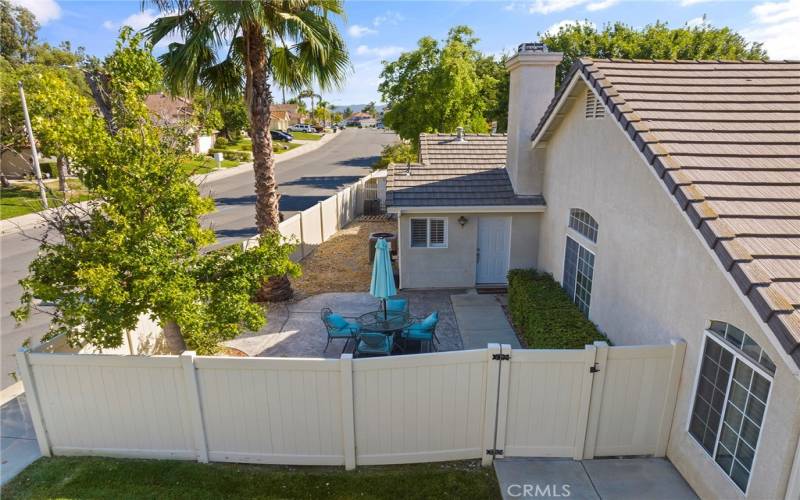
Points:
(232, 155)
(544, 315)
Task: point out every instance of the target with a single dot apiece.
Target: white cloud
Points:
(44, 10)
(548, 6)
(603, 4)
(140, 20)
(776, 24)
(109, 25)
(697, 21)
(357, 31)
(389, 17)
(382, 52)
(555, 28)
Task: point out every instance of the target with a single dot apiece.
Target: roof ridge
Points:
(589, 60)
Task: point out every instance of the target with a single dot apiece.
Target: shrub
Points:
(221, 142)
(399, 152)
(544, 315)
(237, 155)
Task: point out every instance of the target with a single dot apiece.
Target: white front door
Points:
(494, 245)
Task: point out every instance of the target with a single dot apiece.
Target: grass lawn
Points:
(76, 477)
(291, 145)
(21, 199)
(207, 164)
(306, 136)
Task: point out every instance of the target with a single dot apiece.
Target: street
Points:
(303, 181)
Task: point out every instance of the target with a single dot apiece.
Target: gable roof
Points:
(724, 138)
(169, 109)
(456, 173)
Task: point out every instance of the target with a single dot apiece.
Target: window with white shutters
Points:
(594, 107)
(429, 232)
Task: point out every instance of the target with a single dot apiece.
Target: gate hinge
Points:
(494, 452)
(501, 357)
(594, 368)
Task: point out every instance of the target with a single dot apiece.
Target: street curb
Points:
(28, 221)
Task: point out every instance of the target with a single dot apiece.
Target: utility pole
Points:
(36, 171)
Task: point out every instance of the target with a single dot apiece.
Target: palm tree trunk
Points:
(267, 197)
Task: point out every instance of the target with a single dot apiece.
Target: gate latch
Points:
(594, 368)
(494, 452)
(501, 357)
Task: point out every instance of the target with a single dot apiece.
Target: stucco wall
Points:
(653, 280)
(455, 266)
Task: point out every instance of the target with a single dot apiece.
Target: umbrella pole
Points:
(385, 314)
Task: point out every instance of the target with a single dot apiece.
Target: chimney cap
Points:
(460, 134)
(532, 47)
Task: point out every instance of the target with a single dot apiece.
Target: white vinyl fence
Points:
(403, 409)
(314, 225)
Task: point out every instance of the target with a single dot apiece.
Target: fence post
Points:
(348, 410)
(195, 408)
(598, 381)
(496, 403)
(32, 398)
(589, 367)
(338, 211)
(675, 368)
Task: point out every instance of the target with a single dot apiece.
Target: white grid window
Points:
(429, 232)
(594, 107)
(578, 272)
(583, 223)
(730, 400)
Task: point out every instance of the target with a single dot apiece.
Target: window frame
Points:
(737, 357)
(427, 232)
(564, 270)
(587, 239)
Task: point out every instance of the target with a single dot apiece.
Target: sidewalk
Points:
(481, 321)
(19, 446)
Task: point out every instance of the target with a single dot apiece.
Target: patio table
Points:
(388, 322)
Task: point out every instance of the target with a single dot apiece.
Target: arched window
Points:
(579, 260)
(731, 398)
(583, 223)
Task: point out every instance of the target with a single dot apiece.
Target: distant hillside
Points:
(355, 108)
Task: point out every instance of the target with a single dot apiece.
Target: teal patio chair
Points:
(376, 344)
(423, 330)
(338, 328)
(397, 304)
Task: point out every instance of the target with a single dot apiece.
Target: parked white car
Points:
(301, 127)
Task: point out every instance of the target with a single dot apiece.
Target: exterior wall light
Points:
(463, 221)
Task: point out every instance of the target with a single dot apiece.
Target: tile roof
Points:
(724, 137)
(456, 173)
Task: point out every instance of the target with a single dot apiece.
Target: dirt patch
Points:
(341, 264)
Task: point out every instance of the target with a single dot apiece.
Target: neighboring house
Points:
(177, 111)
(669, 206)
(361, 119)
(279, 120)
(293, 115)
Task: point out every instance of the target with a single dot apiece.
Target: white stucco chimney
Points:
(532, 78)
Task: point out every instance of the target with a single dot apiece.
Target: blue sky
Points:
(378, 30)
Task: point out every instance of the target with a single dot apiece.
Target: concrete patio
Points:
(296, 330)
(607, 479)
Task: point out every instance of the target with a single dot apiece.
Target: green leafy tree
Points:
(654, 41)
(347, 112)
(370, 109)
(436, 88)
(399, 152)
(495, 95)
(137, 251)
(18, 29)
(234, 118)
(237, 49)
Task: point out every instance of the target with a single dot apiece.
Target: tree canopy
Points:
(437, 87)
(654, 41)
(137, 250)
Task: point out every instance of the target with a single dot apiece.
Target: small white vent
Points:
(594, 107)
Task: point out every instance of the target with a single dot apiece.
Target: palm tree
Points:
(309, 94)
(236, 49)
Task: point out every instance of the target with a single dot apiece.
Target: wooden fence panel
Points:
(123, 406)
(419, 408)
(272, 410)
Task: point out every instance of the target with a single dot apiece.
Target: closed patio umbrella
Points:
(382, 284)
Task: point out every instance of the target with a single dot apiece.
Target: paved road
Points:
(303, 181)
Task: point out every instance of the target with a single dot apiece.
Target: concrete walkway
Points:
(606, 479)
(19, 446)
(481, 321)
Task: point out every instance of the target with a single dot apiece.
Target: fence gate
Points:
(600, 401)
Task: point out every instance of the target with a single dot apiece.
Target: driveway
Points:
(606, 479)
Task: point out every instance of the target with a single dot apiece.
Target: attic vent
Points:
(594, 107)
